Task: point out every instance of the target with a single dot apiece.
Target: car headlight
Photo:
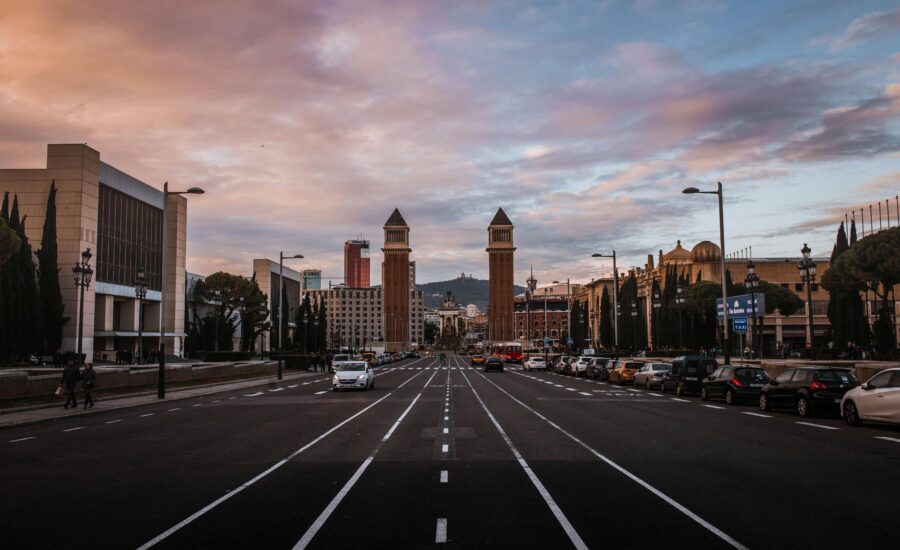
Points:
(335, 379)
(361, 377)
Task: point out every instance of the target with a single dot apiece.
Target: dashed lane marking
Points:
(293, 386)
(146, 415)
(445, 448)
(232, 397)
(250, 395)
(114, 421)
(820, 426)
(74, 429)
(443, 476)
(446, 430)
(197, 405)
(886, 438)
(760, 415)
(320, 392)
(278, 389)
(586, 393)
(440, 532)
(173, 410)
(22, 439)
(680, 400)
(713, 407)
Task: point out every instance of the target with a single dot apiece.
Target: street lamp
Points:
(657, 303)
(616, 305)
(140, 291)
(679, 301)
(807, 270)
(634, 315)
(568, 315)
(281, 315)
(161, 379)
(82, 273)
(305, 331)
(751, 281)
(218, 298)
(718, 192)
(263, 314)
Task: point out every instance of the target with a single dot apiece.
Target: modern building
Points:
(395, 282)
(120, 219)
(356, 264)
(266, 272)
(312, 279)
(501, 268)
(353, 316)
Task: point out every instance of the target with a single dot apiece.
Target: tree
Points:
(52, 307)
(607, 338)
(24, 322)
(700, 306)
(9, 242)
(9, 247)
(780, 298)
(225, 293)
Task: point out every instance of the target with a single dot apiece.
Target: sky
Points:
(308, 122)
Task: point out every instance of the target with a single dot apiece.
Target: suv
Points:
(561, 366)
(579, 366)
(687, 373)
(808, 389)
(734, 383)
(493, 363)
(624, 371)
(596, 369)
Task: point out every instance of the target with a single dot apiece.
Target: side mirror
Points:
(773, 382)
(866, 386)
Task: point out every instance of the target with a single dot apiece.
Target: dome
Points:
(705, 252)
(676, 255)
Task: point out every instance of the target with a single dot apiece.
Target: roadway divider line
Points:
(886, 438)
(326, 513)
(820, 426)
(669, 500)
(760, 415)
(440, 531)
(188, 520)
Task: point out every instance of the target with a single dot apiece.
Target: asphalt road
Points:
(449, 456)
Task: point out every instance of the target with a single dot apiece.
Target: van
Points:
(688, 371)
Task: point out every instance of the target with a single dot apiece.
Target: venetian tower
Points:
(501, 276)
(395, 279)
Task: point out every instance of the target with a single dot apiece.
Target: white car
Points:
(535, 363)
(578, 367)
(353, 375)
(651, 375)
(878, 399)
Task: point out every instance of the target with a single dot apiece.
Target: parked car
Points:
(561, 365)
(734, 383)
(578, 367)
(624, 371)
(596, 369)
(878, 399)
(808, 389)
(651, 375)
(493, 363)
(535, 362)
(477, 359)
(686, 374)
(353, 375)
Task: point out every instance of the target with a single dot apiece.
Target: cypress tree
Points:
(5, 294)
(52, 307)
(25, 330)
(323, 330)
(607, 338)
(838, 299)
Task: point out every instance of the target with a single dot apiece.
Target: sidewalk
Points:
(43, 413)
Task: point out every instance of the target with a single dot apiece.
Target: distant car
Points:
(596, 368)
(624, 372)
(353, 375)
(579, 366)
(878, 399)
(734, 383)
(808, 390)
(477, 359)
(493, 363)
(535, 363)
(651, 375)
(686, 374)
(561, 365)
(338, 359)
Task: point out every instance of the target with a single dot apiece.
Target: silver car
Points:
(878, 399)
(651, 375)
(353, 375)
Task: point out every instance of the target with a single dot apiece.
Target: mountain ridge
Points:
(466, 290)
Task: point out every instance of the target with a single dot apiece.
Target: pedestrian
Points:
(88, 382)
(69, 381)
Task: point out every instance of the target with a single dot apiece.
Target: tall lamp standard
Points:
(568, 315)
(725, 337)
(218, 297)
(82, 273)
(281, 315)
(751, 281)
(263, 314)
(615, 298)
(657, 303)
(140, 291)
(161, 379)
(808, 275)
(634, 315)
(679, 301)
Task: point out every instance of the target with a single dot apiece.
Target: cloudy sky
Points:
(307, 123)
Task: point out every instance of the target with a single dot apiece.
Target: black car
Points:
(808, 390)
(734, 383)
(596, 368)
(687, 373)
(493, 363)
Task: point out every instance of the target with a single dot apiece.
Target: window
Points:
(727, 372)
(881, 380)
(802, 376)
(785, 376)
(798, 287)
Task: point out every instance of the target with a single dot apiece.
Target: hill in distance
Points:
(465, 288)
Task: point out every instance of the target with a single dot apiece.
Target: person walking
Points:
(69, 381)
(88, 382)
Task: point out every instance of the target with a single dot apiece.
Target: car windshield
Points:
(341, 358)
(836, 376)
(351, 367)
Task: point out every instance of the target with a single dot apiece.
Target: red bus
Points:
(511, 352)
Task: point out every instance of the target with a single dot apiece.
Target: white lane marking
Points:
(197, 405)
(232, 397)
(22, 439)
(74, 429)
(757, 414)
(250, 395)
(146, 415)
(560, 385)
(326, 513)
(571, 389)
(282, 389)
(821, 426)
(216, 400)
(446, 418)
(654, 395)
(305, 383)
(444, 476)
(574, 537)
(886, 438)
(173, 410)
(168, 532)
(293, 386)
(713, 406)
(320, 392)
(680, 400)
(440, 532)
(586, 393)
(445, 448)
(710, 527)
(114, 421)
(446, 430)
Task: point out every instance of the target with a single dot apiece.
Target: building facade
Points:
(501, 269)
(542, 315)
(396, 283)
(357, 267)
(120, 219)
(312, 279)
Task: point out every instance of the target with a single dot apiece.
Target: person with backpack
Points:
(70, 379)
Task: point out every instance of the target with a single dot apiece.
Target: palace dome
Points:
(676, 255)
(705, 252)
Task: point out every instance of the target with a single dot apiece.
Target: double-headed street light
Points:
(281, 315)
(82, 273)
(751, 281)
(657, 303)
(161, 379)
(807, 270)
(140, 291)
(725, 337)
(615, 298)
(679, 301)
(634, 315)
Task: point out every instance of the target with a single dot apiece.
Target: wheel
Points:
(851, 414)
(679, 389)
(803, 406)
(703, 394)
(729, 397)
(764, 402)
(649, 387)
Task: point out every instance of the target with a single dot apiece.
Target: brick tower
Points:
(395, 280)
(501, 272)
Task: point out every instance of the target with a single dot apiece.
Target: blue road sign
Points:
(742, 306)
(546, 342)
(739, 324)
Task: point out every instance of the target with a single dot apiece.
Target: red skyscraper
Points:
(356, 264)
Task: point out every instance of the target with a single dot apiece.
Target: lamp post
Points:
(263, 313)
(615, 298)
(161, 379)
(807, 270)
(679, 301)
(634, 315)
(725, 337)
(218, 298)
(751, 281)
(82, 273)
(568, 316)
(140, 291)
(316, 334)
(305, 331)
(657, 303)
(281, 315)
